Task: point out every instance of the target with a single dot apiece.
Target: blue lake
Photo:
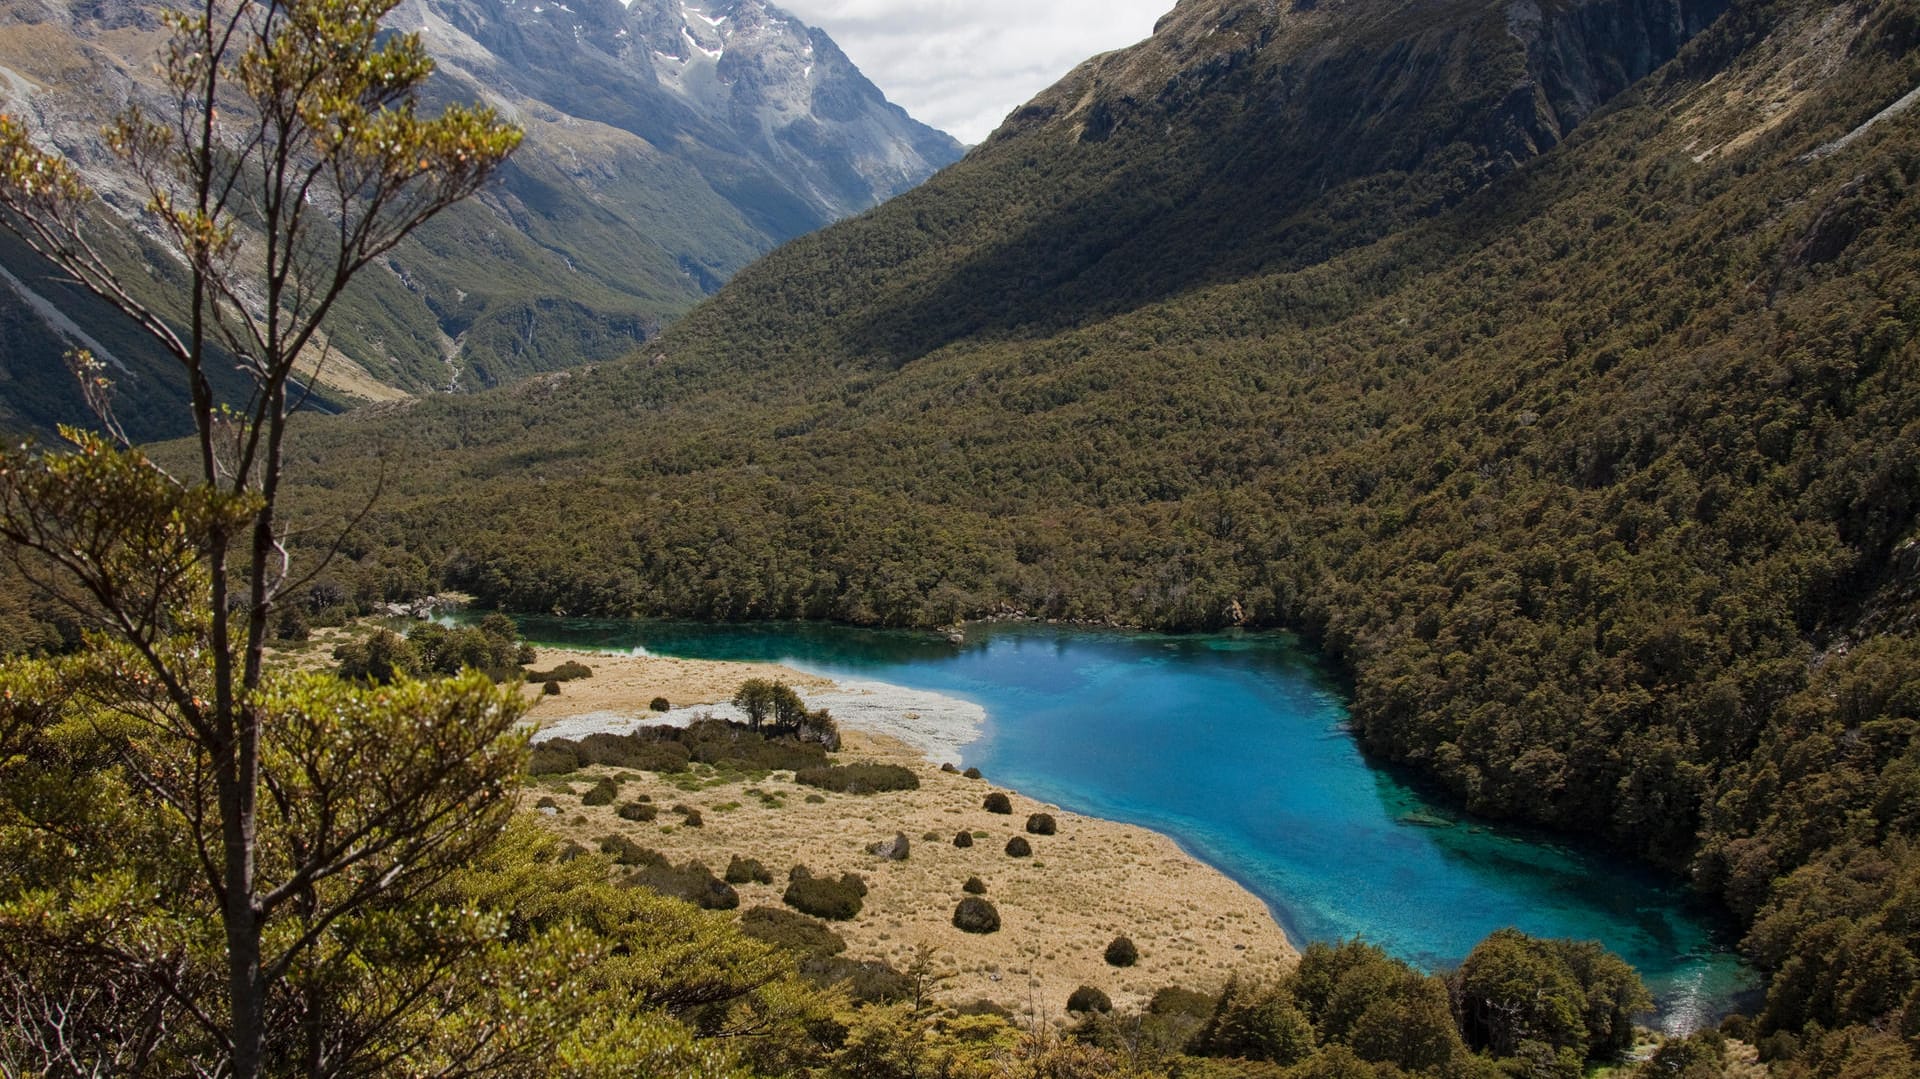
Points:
(1236, 746)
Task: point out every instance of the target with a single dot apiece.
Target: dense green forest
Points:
(1579, 422)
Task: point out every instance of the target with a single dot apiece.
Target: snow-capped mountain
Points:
(667, 145)
(738, 78)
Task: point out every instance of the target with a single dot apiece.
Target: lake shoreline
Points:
(1096, 879)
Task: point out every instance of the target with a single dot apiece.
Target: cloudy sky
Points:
(962, 65)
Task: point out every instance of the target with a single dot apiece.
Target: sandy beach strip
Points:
(1092, 881)
(617, 698)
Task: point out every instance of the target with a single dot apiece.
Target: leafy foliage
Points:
(975, 914)
(793, 931)
(836, 900)
(862, 778)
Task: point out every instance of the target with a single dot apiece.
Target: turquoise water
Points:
(1236, 747)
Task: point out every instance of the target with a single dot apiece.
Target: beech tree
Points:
(165, 781)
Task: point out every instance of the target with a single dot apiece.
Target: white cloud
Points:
(963, 65)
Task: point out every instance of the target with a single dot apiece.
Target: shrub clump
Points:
(868, 981)
(785, 929)
(625, 851)
(640, 751)
(1122, 953)
(602, 794)
(1175, 1000)
(974, 886)
(859, 778)
(565, 672)
(638, 811)
(693, 882)
(660, 704)
(963, 838)
(748, 870)
(1018, 847)
(546, 802)
(971, 773)
(997, 802)
(835, 900)
(1088, 999)
(693, 819)
(1042, 824)
(976, 915)
(551, 689)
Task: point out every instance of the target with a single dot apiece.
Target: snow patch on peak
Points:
(711, 54)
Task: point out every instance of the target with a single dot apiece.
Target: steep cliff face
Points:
(667, 146)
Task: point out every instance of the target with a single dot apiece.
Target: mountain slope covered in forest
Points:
(1552, 365)
(667, 145)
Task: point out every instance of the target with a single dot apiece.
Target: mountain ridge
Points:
(589, 240)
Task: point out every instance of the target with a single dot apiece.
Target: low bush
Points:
(859, 778)
(625, 851)
(730, 745)
(1018, 847)
(974, 886)
(930, 836)
(693, 882)
(634, 751)
(1175, 1000)
(565, 672)
(869, 981)
(694, 819)
(670, 749)
(1042, 824)
(602, 794)
(948, 768)
(659, 704)
(551, 689)
(1122, 953)
(747, 870)
(836, 900)
(639, 751)
(1088, 999)
(971, 773)
(554, 758)
(976, 915)
(797, 932)
(638, 811)
(997, 802)
(963, 838)
(546, 802)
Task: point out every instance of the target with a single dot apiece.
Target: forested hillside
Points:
(1552, 365)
